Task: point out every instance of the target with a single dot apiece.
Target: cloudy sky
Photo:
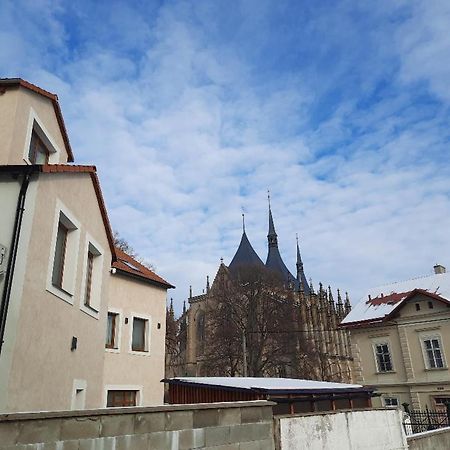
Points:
(191, 110)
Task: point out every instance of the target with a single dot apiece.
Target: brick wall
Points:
(218, 426)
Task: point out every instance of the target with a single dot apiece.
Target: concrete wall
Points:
(430, 440)
(124, 368)
(374, 429)
(219, 426)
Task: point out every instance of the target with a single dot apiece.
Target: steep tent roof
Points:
(245, 255)
(381, 302)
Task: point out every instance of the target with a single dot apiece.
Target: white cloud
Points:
(185, 133)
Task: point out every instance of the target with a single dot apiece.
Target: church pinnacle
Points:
(272, 235)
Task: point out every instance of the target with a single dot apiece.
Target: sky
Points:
(192, 110)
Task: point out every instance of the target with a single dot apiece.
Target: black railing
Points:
(417, 421)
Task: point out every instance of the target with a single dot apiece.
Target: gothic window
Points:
(200, 329)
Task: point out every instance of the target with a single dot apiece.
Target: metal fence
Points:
(417, 421)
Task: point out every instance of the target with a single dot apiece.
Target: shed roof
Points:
(267, 385)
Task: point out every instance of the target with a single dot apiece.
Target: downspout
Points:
(12, 256)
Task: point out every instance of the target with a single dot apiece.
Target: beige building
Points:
(400, 337)
(60, 275)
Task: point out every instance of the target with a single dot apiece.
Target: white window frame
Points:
(124, 387)
(430, 336)
(118, 330)
(385, 397)
(148, 329)
(36, 124)
(374, 348)
(97, 277)
(67, 292)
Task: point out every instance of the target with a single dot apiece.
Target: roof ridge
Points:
(420, 277)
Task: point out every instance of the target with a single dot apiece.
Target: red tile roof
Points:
(125, 263)
(6, 83)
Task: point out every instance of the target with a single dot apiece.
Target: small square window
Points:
(430, 305)
(390, 401)
(417, 307)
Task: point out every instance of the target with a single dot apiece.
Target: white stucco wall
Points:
(377, 429)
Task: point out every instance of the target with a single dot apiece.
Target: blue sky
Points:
(191, 110)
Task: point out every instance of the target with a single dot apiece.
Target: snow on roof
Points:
(384, 299)
(265, 383)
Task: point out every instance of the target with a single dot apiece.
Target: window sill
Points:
(386, 372)
(89, 311)
(435, 369)
(139, 352)
(60, 293)
(112, 350)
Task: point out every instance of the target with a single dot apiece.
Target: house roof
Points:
(6, 83)
(128, 265)
(268, 385)
(380, 303)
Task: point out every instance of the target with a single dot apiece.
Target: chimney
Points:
(438, 268)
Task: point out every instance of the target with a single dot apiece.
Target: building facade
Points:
(60, 273)
(313, 321)
(400, 337)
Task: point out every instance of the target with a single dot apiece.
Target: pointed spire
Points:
(243, 223)
(207, 283)
(311, 287)
(340, 305)
(331, 299)
(171, 312)
(190, 291)
(272, 235)
(348, 306)
(184, 307)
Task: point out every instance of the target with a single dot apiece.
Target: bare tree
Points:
(122, 244)
(252, 328)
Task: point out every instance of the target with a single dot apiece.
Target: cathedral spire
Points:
(272, 235)
(274, 261)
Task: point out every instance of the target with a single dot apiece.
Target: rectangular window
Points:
(60, 254)
(89, 267)
(433, 353)
(390, 401)
(138, 343)
(383, 356)
(38, 152)
(111, 330)
(121, 398)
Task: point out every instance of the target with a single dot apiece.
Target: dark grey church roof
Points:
(245, 255)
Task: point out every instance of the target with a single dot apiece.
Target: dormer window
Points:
(38, 152)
